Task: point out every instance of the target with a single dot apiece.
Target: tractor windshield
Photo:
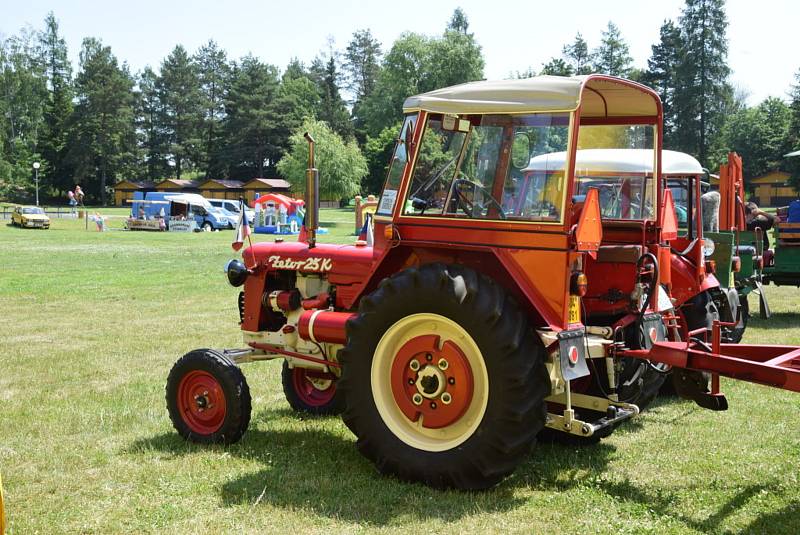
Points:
(464, 168)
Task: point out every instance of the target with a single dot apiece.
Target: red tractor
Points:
(507, 294)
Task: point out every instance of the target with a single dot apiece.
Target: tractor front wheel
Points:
(444, 379)
(311, 391)
(208, 398)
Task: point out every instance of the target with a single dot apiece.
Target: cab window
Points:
(396, 167)
(479, 167)
(626, 192)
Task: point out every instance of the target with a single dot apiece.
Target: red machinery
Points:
(500, 298)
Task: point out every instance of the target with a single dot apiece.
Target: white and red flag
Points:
(242, 228)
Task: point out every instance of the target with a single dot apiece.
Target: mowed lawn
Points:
(92, 323)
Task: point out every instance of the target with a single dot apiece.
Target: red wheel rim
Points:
(201, 402)
(313, 388)
(449, 370)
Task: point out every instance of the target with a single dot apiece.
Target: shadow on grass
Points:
(321, 472)
(777, 320)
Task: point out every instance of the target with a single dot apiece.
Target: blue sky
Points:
(514, 34)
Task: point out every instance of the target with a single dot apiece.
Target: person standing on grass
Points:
(72, 202)
(79, 195)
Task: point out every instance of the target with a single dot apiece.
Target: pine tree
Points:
(152, 135)
(455, 58)
(792, 144)
(702, 91)
(252, 146)
(58, 70)
(332, 108)
(577, 57)
(361, 67)
(179, 87)
(661, 73)
(458, 22)
(557, 67)
(102, 143)
(23, 98)
(213, 71)
(612, 56)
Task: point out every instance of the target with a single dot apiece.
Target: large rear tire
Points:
(208, 398)
(443, 378)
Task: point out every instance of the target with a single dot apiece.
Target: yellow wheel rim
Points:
(451, 337)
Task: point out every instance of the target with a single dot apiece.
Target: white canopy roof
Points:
(619, 160)
(597, 95)
(792, 154)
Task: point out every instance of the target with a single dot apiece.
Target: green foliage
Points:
(612, 56)
(361, 67)
(661, 73)
(23, 101)
(102, 142)
(182, 107)
(378, 152)
(153, 138)
(250, 123)
(577, 56)
(793, 135)
(213, 71)
(557, 67)
(58, 107)
(702, 91)
(341, 164)
(759, 136)
(332, 108)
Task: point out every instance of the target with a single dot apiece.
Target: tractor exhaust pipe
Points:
(312, 195)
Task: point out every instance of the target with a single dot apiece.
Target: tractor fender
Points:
(486, 261)
(686, 283)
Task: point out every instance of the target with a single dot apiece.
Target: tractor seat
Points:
(619, 254)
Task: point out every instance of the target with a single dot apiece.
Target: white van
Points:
(233, 207)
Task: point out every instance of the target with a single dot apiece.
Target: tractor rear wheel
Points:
(444, 379)
(208, 398)
(311, 391)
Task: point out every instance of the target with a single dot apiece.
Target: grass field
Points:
(92, 323)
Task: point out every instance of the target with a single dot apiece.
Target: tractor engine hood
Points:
(344, 264)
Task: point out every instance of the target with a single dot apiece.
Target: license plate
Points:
(574, 309)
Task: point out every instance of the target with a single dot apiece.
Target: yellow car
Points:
(30, 217)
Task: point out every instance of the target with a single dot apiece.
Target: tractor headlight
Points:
(236, 272)
(708, 246)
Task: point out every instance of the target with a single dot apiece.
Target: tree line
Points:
(201, 114)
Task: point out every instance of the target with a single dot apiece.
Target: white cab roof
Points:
(597, 96)
(619, 160)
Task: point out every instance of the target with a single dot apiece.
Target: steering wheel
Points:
(468, 206)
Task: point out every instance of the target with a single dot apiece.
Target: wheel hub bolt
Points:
(428, 356)
(446, 398)
(443, 364)
(452, 380)
(433, 404)
(411, 381)
(417, 399)
(414, 365)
